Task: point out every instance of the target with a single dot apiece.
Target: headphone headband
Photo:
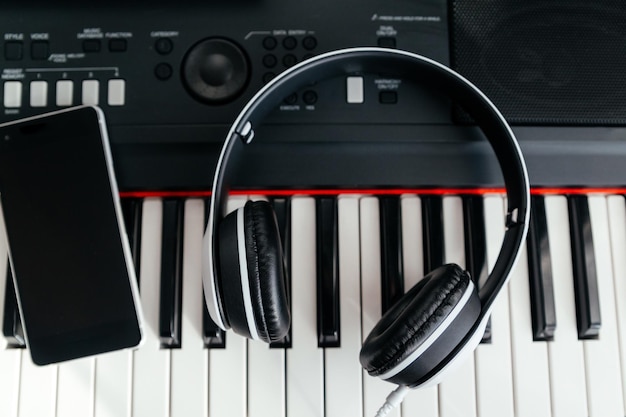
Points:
(405, 65)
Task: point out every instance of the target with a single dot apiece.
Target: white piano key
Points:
(75, 388)
(227, 367)
(151, 364)
(189, 364)
(565, 352)
(617, 220)
(38, 389)
(604, 383)
(375, 390)
(531, 379)
(113, 384)
(457, 393)
(9, 358)
(343, 376)
(266, 375)
(494, 385)
(425, 401)
(305, 373)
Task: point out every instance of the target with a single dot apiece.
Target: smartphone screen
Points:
(71, 261)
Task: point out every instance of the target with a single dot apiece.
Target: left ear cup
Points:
(252, 274)
(423, 327)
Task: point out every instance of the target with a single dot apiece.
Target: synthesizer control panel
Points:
(198, 63)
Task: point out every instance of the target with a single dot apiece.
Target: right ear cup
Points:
(423, 327)
(252, 275)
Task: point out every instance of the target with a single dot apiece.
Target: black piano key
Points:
(432, 221)
(327, 273)
(584, 268)
(392, 285)
(476, 246)
(12, 324)
(282, 208)
(212, 336)
(171, 273)
(543, 309)
(131, 210)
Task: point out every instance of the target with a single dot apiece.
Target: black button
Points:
(13, 51)
(388, 97)
(163, 46)
(289, 60)
(309, 97)
(291, 98)
(39, 50)
(163, 71)
(270, 43)
(309, 43)
(269, 61)
(387, 42)
(268, 76)
(118, 45)
(290, 42)
(91, 45)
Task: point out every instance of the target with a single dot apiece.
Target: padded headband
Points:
(404, 65)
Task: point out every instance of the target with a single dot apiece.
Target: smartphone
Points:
(72, 267)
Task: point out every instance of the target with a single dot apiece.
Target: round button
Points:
(269, 61)
(309, 97)
(215, 70)
(290, 42)
(289, 60)
(309, 43)
(270, 43)
(163, 46)
(163, 71)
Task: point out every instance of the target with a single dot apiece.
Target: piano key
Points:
(282, 210)
(227, 395)
(617, 220)
(327, 272)
(343, 373)
(432, 220)
(113, 384)
(424, 401)
(171, 273)
(305, 373)
(585, 278)
(493, 360)
(475, 246)
(565, 351)
(531, 379)
(75, 388)
(375, 390)
(131, 209)
(604, 383)
(11, 323)
(540, 273)
(189, 364)
(457, 391)
(391, 255)
(151, 364)
(266, 375)
(38, 389)
(9, 358)
(212, 335)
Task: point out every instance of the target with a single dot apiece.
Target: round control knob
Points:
(215, 70)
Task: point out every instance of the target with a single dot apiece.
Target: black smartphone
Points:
(72, 266)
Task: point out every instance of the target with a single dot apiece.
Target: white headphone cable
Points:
(393, 400)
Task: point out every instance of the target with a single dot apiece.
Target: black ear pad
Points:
(430, 320)
(266, 271)
(256, 241)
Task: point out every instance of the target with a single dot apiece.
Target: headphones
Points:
(439, 320)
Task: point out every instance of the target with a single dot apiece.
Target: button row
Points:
(90, 94)
(14, 50)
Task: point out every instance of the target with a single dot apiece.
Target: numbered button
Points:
(65, 93)
(39, 93)
(117, 92)
(13, 94)
(91, 92)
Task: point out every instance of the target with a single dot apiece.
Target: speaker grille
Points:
(545, 62)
